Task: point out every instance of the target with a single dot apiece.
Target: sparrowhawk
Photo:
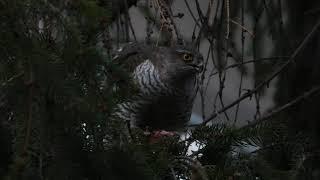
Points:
(166, 80)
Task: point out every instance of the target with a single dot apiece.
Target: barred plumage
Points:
(166, 79)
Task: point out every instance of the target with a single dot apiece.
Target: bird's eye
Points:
(187, 57)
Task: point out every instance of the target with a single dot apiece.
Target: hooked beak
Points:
(198, 68)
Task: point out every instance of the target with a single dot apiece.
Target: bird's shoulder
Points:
(131, 55)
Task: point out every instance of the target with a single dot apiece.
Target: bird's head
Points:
(179, 62)
(176, 64)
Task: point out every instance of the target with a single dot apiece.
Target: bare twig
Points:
(128, 19)
(191, 13)
(312, 11)
(271, 77)
(12, 78)
(201, 16)
(228, 18)
(242, 27)
(126, 23)
(241, 61)
(28, 122)
(304, 96)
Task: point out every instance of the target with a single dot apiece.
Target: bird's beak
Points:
(198, 68)
(200, 65)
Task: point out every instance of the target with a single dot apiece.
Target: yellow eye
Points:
(187, 57)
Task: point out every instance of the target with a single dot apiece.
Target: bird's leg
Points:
(163, 133)
(157, 135)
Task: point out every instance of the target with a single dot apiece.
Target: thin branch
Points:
(271, 114)
(12, 78)
(128, 19)
(242, 27)
(210, 5)
(271, 77)
(241, 61)
(171, 16)
(200, 14)
(28, 122)
(203, 88)
(312, 11)
(228, 18)
(223, 74)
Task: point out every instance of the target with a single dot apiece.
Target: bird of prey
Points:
(166, 79)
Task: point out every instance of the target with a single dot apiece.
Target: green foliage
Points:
(50, 60)
(58, 87)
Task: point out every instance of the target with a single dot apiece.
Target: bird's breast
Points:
(147, 78)
(160, 105)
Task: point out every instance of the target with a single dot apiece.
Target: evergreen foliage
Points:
(59, 85)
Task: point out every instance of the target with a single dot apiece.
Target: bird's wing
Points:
(131, 55)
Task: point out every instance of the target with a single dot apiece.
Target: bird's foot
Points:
(155, 136)
(163, 133)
